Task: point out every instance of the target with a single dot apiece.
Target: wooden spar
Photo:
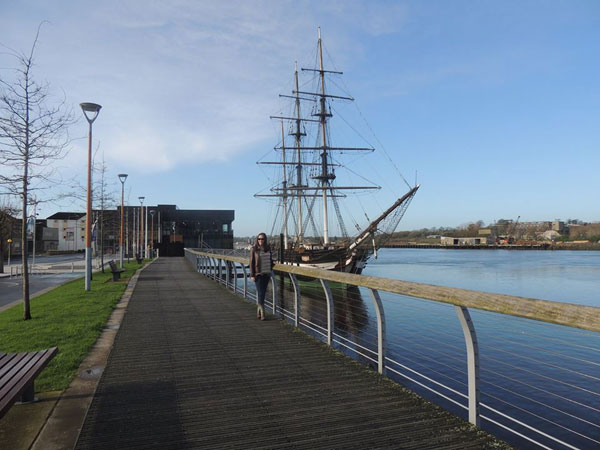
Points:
(285, 227)
(373, 225)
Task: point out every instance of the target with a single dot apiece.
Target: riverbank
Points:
(537, 246)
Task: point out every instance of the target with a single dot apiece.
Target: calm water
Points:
(545, 376)
(564, 276)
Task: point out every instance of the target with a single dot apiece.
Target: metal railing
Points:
(425, 353)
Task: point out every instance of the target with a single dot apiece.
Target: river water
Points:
(540, 380)
(564, 276)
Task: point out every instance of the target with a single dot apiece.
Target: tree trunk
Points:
(1, 253)
(102, 237)
(24, 252)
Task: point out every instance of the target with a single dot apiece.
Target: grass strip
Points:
(67, 317)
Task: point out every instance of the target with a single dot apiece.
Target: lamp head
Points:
(142, 199)
(90, 111)
(122, 177)
(152, 212)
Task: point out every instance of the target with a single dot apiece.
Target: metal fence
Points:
(530, 374)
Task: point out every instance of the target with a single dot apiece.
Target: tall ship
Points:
(308, 194)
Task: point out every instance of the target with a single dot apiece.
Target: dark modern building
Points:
(172, 229)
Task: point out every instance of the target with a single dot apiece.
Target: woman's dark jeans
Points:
(262, 281)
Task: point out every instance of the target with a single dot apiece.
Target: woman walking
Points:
(261, 265)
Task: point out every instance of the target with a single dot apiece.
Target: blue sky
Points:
(494, 105)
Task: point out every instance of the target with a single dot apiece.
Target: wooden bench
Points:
(116, 272)
(17, 373)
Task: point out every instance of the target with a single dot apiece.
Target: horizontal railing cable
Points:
(529, 427)
(545, 391)
(512, 405)
(544, 363)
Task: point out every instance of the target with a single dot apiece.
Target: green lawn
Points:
(67, 317)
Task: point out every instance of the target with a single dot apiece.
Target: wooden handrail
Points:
(569, 314)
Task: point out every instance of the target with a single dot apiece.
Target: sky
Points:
(492, 107)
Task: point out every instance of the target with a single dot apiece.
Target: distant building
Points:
(70, 228)
(463, 241)
(168, 229)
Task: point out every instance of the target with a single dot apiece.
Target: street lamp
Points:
(152, 235)
(146, 234)
(9, 241)
(122, 178)
(90, 111)
(141, 221)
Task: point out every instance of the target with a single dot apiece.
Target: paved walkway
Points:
(192, 367)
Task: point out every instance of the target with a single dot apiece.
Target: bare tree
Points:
(104, 195)
(33, 134)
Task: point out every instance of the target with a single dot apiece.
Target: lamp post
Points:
(146, 234)
(152, 232)
(90, 111)
(9, 241)
(141, 221)
(122, 178)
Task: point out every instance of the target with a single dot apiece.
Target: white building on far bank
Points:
(71, 230)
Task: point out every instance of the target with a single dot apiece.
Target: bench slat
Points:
(10, 361)
(17, 372)
(21, 375)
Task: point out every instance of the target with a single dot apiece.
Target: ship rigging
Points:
(308, 179)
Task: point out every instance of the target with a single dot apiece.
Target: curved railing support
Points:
(296, 298)
(227, 273)
(245, 281)
(329, 298)
(235, 277)
(274, 286)
(381, 339)
(472, 362)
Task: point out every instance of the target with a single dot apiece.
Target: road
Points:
(11, 288)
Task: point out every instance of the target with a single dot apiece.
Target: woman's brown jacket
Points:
(255, 260)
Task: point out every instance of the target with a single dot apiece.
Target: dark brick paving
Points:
(192, 367)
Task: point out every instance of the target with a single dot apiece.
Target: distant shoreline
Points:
(541, 246)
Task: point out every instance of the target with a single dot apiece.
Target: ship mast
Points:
(285, 212)
(325, 176)
(298, 140)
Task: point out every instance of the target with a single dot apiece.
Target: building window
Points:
(225, 227)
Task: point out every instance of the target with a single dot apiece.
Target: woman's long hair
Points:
(265, 245)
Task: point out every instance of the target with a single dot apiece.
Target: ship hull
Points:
(339, 260)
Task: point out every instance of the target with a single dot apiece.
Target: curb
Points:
(62, 428)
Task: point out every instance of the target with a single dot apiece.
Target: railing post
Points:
(227, 273)
(214, 268)
(219, 270)
(296, 298)
(245, 281)
(329, 298)
(472, 362)
(381, 333)
(274, 286)
(234, 278)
